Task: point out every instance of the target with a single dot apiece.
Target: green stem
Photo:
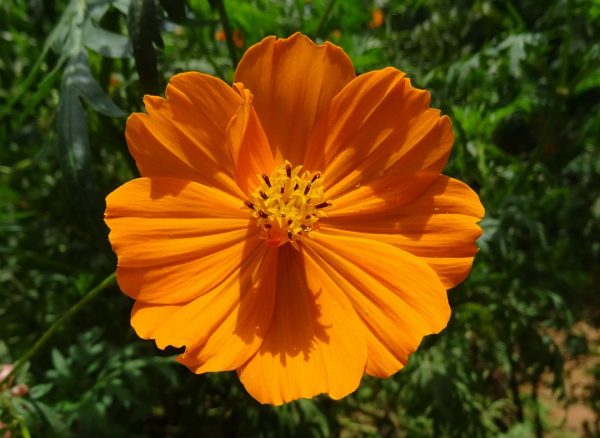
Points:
(220, 6)
(108, 281)
(324, 17)
(209, 58)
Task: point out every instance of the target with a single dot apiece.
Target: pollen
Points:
(287, 204)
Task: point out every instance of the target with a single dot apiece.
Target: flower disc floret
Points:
(287, 204)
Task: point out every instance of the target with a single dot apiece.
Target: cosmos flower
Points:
(238, 38)
(376, 19)
(294, 227)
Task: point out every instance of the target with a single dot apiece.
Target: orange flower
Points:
(238, 38)
(376, 18)
(335, 34)
(294, 227)
(220, 35)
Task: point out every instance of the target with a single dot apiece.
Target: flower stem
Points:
(89, 296)
(324, 17)
(220, 6)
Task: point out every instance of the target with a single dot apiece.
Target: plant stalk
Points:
(89, 296)
(220, 6)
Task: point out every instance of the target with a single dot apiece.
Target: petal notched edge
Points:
(183, 135)
(398, 297)
(378, 125)
(292, 80)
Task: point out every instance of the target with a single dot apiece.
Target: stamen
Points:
(287, 204)
(324, 204)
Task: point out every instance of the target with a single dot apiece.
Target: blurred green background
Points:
(521, 82)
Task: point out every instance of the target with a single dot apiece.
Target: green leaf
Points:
(53, 418)
(589, 82)
(73, 145)
(80, 77)
(121, 5)
(109, 44)
(38, 391)
(59, 363)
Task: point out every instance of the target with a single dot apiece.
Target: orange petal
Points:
(380, 195)
(243, 329)
(183, 136)
(315, 343)
(164, 230)
(378, 125)
(222, 328)
(183, 280)
(292, 80)
(440, 227)
(248, 145)
(397, 296)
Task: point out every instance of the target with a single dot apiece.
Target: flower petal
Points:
(378, 125)
(440, 227)
(315, 343)
(183, 136)
(292, 80)
(248, 145)
(243, 330)
(182, 281)
(164, 230)
(397, 296)
(222, 328)
(380, 195)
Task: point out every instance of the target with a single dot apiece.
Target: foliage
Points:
(521, 82)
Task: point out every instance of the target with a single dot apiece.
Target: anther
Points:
(287, 203)
(324, 204)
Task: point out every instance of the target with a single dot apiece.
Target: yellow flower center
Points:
(287, 204)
